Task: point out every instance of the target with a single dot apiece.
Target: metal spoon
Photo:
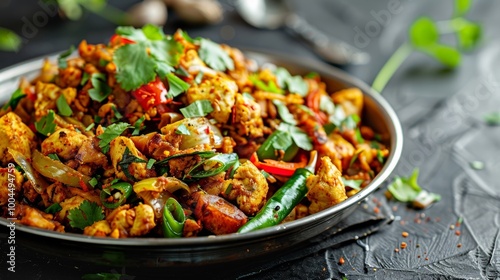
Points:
(273, 14)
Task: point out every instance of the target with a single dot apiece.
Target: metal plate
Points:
(211, 250)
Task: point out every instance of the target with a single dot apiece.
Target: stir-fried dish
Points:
(171, 136)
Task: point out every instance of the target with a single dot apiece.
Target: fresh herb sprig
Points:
(424, 35)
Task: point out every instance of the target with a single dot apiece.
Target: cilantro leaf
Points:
(176, 85)
(54, 208)
(63, 106)
(284, 113)
(269, 87)
(62, 59)
(182, 129)
(85, 78)
(354, 184)
(153, 32)
(85, 215)
(199, 108)
(54, 157)
(283, 140)
(46, 124)
(299, 137)
(294, 84)
(100, 90)
(131, 33)
(110, 133)
(127, 159)
(134, 66)
(14, 99)
(214, 56)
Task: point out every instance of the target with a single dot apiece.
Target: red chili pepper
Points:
(152, 94)
(83, 185)
(120, 40)
(278, 167)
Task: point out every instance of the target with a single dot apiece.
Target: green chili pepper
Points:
(202, 154)
(278, 140)
(283, 201)
(116, 194)
(173, 219)
(212, 166)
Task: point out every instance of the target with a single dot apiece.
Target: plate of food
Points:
(178, 151)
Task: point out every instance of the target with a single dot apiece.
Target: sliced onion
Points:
(201, 132)
(56, 170)
(38, 183)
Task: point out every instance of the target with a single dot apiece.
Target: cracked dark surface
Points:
(442, 117)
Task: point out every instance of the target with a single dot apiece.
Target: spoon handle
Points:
(331, 49)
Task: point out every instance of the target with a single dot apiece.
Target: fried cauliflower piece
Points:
(221, 92)
(99, 228)
(4, 183)
(137, 221)
(14, 134)
(36, 218)
(326, 188)
(338, 149)
(351, 100)
(137, 170)
(249, 188)
(247, 117)
(46, 96)
(63, 142)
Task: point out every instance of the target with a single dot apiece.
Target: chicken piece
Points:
(68, 204)
(46, 96)
(155, 145)
(99, 228)
(240, 72)
(351, 100)
(191, 228)
(247, 117)
(89, 153)
(137, 170)
(55, 193)
(63, 142)
(137, 221)
(36, 218)
(17, 181)
(249, 188)
(14, 134)
(217, 215)
(338, 149)
(221, 93)
(326, 188)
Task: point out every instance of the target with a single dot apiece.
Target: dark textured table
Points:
(442, 116)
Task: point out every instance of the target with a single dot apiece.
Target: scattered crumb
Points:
(418, 245)
(405, 234)
(402, 222)
(403, 245)
(418, 256)
(394, 208)
(459, 245)
(457, 232)
(324, 268)
(376, 210)
(341, 261)
(426, 259)
(396, 250)
(417, 220)
(452, 226)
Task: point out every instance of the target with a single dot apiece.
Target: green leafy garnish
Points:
(150, 163)
(152, 53)
(110, 133)
(127, 159)
(269, 87)
(176, 85)
(88, 128)
(63, 106)
(284, 113)
(62, 59)
(477, 165)
(85, 78)
(380, 156)
(358, 136)
(199, 77)
(424, 36)
(353, 184)
(46, 124)
(355, 157)
(54, 208)
(85, 215)
(14, 100)
(9, 40)
(100, 90)
(408, 190)
(199, 108)
(182, 129)
(299, 137)
(93, 182)
(214, 56)
(137, 125)
(54, 157)
(294, 84)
